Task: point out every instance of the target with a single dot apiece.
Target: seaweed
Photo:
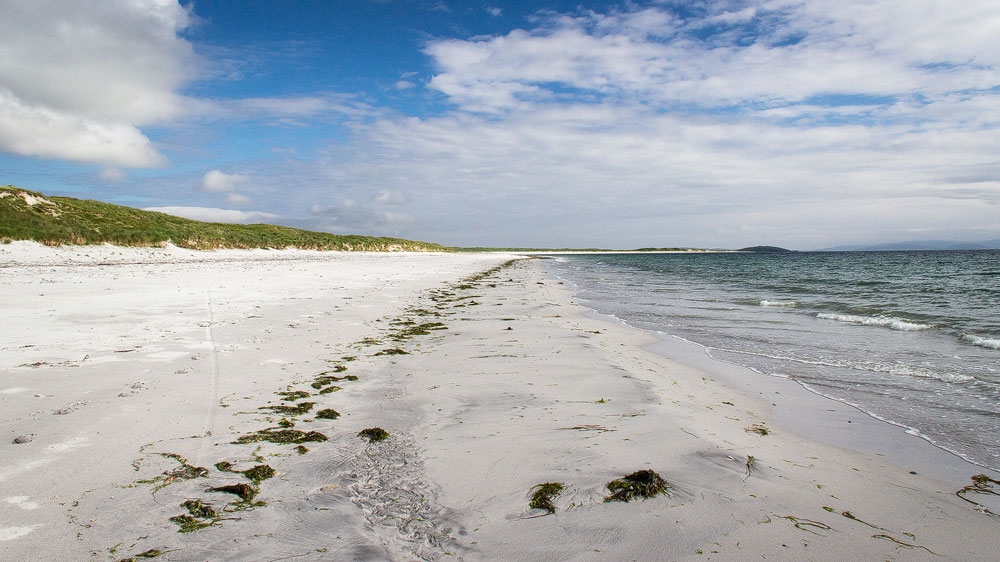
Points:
(374, 434)
(259, 473)
(151, 553)
(199, 516)
(285, 422)
(758, 428)
(904, 544)
(327, 414)
(302, 449)
(981, 484)
(198, 509)
(281, 436)
(296, 410)
(801, 524)
(391, 351)
(244, 491)
(323, 380)
(330, 389)
(751, 464)
(643, 483)
(293, 396)
(543, 494)
(184, 472)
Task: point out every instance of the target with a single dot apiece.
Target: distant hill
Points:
(29, 215)
(918, 245)
(764, 250)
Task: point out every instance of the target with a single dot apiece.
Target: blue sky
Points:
(713, 123)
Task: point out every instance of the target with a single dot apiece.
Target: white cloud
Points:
(804, 121)
(217, 181)
(494, 11)
(237, 199)
(77, 80)
(403, 85)
(212, 214)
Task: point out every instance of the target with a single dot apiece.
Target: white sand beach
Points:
(136, 381)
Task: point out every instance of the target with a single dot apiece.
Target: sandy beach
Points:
(187, 406)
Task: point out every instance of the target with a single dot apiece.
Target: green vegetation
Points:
(758, 428)
(199, 516)
(296, 410)
(281, 436)
(151, 553)
(245, 492)
(543, 494)
(293, 396)
(29, 215)
(374, 434)
(640, 484)
(327, 414)
(184, 472)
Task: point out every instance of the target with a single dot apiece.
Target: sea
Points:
(911, 338)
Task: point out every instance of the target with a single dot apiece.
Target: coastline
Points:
(488, 381)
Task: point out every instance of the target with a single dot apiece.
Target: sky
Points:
(802, 124)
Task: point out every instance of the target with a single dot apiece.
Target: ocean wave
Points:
(988, 343)
(892, 323)
(778, 303)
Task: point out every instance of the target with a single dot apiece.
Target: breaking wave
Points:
(892, 323)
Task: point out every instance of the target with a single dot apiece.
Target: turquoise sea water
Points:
(912, 338)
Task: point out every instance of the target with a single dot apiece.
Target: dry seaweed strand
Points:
(981, 484)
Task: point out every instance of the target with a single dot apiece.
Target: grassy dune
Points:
(29, 215)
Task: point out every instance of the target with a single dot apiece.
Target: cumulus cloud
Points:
(213, 214)
(78, 80)
(220, 182)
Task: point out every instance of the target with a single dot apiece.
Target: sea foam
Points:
(988, 343)
(892, 323)
(778, 303)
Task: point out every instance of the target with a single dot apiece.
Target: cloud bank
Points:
(782, 121)
(78, 79)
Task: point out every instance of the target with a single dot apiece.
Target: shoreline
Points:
(487, 376)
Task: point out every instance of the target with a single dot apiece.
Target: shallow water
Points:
(912, 338)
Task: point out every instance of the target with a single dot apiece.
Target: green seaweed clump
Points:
(640, 484)
(293, 396)
(542, 497)
(245, 492)
(151, 553)
(374, 434)
(392, 351)
(199, 516)
(758, 428)
(327, 414)
(302, 449)
(296, 410)
(330, 389)
(281, 436)
(259, 473)
(184, 472)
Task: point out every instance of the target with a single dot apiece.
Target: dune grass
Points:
(54, 221)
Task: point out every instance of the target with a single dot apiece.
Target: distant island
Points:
(765, 250)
